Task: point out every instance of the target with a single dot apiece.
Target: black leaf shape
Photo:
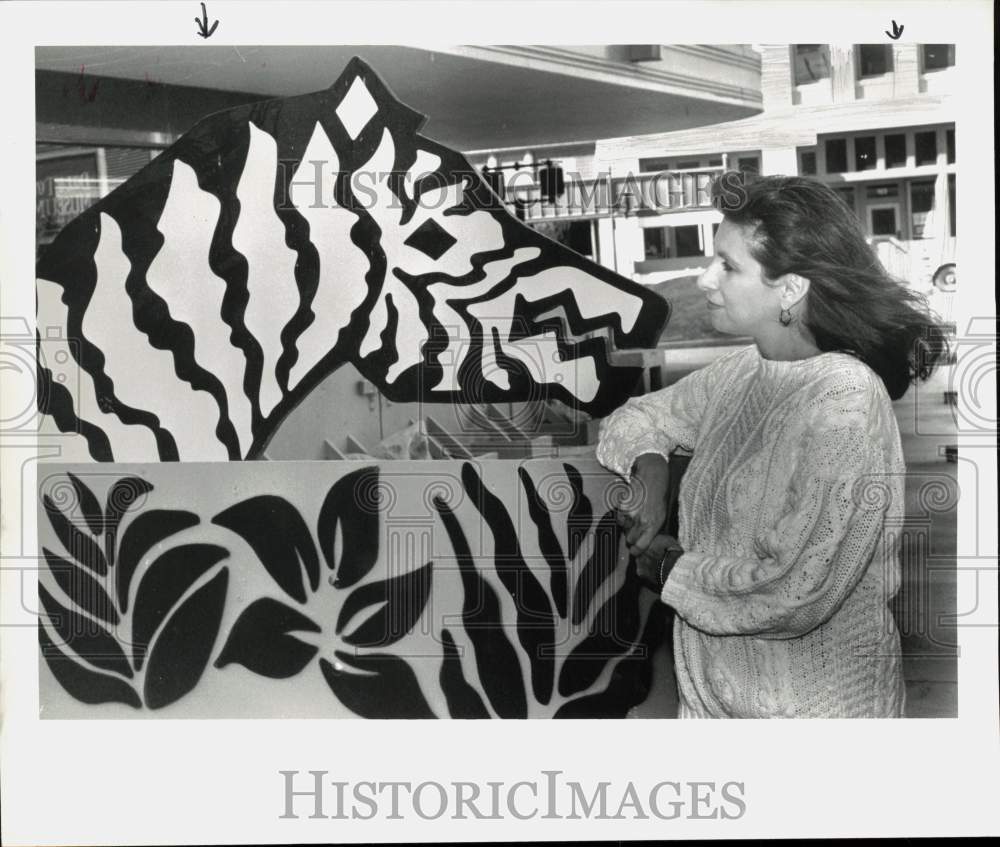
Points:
(88, 505)
(496, 658)
(85, 591)
(144, 533)
(351, 505)
(631, 678)
(403, 599)
(78, 544)
(122, 496)
(536, 626)
(260, 640)
(163, 584)
(185, 644)
(275, 530)
(581, 514)
(87, 638)
(85, 685)
(607, 537)
(463, 700)
(612, 633)
(549, 545)
(388, 688)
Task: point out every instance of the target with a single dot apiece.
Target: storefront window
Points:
(895, 151)
(688, 240)
(925, 144)
(812, 63)
(836, 155)
(921, 208)
(937, 57)
(655, 242)
(874, 59)
(864, 153)
(952, 207)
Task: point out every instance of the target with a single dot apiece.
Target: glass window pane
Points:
(921, 208)
(687, 240)
(895, 151)
(926, 147)
(952, 200)
(654, 166)
(950, 142)
(936, 57)
(836, 155)
(655, 242)
(874, 59)
(807, 163)
(883, 221)
(864, 153)
(749, 163)
(812, 62)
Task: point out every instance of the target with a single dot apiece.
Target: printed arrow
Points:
(896, 31)
(203, 28)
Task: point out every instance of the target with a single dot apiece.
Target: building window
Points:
(864, 153)
(654, 166)
(952, 207)
(895, 151)
(715, 163)
(921, 208)
(688, 240)
(937, 57)
(749, 164)
(688, 166)
(874, 59)
(655, 240)
(811, 62)
(925, 144)
(888, 191)
(884, 221)
(836, 155)
(950, 145)
(807, 162)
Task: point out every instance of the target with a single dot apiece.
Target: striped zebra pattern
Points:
(187, 313)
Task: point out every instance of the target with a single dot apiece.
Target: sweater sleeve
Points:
(847, 472)
(663, 420)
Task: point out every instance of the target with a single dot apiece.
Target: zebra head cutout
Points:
(201, 300)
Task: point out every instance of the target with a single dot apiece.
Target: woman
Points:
(784, 566)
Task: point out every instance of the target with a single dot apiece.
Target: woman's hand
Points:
(645, 511)
(653, 566)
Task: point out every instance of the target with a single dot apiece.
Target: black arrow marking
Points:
(204, 30)
(896, 31)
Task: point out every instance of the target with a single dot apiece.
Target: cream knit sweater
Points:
(787, 512)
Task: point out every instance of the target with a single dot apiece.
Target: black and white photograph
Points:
(456, 376)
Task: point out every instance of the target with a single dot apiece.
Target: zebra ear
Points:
(362, 94)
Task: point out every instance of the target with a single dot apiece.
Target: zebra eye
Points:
(431, 239)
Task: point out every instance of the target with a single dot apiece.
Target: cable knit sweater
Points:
(786, 512)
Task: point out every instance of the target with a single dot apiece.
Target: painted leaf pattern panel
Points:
(389, 590)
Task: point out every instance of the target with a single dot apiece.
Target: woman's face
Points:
(740, 302)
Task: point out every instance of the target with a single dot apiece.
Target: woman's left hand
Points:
(653, 566)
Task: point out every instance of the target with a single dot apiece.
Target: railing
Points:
(618, 196)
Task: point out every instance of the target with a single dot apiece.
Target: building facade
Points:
(874, 121)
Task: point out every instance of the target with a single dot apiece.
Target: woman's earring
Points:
(785, 317)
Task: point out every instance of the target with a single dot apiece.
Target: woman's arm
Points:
(848, 474)
(637, 439)
(660, 422)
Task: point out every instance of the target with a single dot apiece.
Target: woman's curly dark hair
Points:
(802, 226)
